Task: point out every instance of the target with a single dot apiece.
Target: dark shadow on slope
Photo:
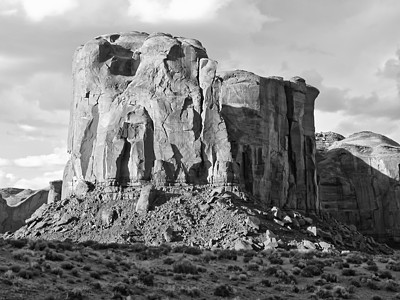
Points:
(354, 192)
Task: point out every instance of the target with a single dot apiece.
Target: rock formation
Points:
(54, 191)
(359, 183)
(13, 217)
(151, 108)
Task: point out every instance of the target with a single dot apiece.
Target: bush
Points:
(168, 261)
(26, 274)
(23, 254)
(340, 292)
(310, 271)
(391, 286)
(372, 268)
(393, 266)
(53, 256)
(86, 268)
(226, 254)
(15, 268)
(95, 275)
(57, 271)
(185, 267)
(187, 250)
(275, 260)
(67, 266)
(75, 294)
(234, 268)
(75, 272)
(18, 243)
(385, 275)
(208, 256)
(324, 294)
(147, 279)
(348, 272)
(121, 288)
(329, 277)
(223, 290)
(355, 283)
(354, 259)
(190, 291)
(252, 267)
(372, 285)
(266, 282)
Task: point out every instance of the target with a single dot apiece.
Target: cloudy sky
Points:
(349, 49)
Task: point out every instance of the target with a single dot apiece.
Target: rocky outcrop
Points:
(359, 183)
(13, 217)
(54, 191)
(151, 108)
(324, 140)
(13, 196)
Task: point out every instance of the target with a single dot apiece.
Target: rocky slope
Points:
(150, 108)
(359, 183)
(197, 216)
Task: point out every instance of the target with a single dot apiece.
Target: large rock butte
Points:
(151, 108)
(359, 182)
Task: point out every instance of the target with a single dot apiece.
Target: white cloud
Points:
(44, 97)
(8, 12)
(156, 11)
(391, 67)
(58, 158)
(7, 179)
(4, 162)
(37, 10)
(27, 128)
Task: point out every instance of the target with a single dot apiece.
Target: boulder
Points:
(359, 183)
(242, 245)
(152, 108)
(108, 216)
(146, 199)
(253, 222)
(55, 191)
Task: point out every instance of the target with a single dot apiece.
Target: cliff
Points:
(359, 183)
(13, 217)
(151, 108)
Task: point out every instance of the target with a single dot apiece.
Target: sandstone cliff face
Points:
(151, 108)
(13, 217)
(359, 183)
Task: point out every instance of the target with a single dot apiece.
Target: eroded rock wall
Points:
(13, 217)
(359, 183)
(152, 108)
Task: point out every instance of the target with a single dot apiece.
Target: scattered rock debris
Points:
(198, 216)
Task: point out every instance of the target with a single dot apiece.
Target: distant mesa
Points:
(17, 205)
(359, 183)
(151, 108)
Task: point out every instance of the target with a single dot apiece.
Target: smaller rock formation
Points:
(358, 179)
(55, 191)
(13, 217)
(324, 140)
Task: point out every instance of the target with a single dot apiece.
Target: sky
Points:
(348, 49)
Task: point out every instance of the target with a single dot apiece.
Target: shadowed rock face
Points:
(13, 217)
(359, 183)
(151, 108)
